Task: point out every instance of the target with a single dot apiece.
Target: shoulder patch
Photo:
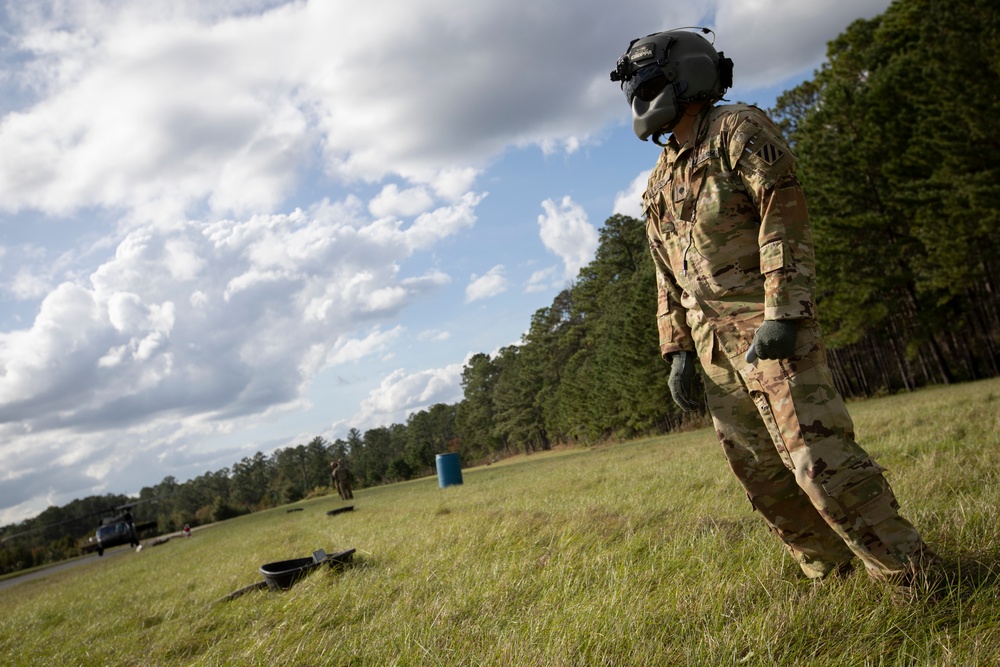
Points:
(769, 153)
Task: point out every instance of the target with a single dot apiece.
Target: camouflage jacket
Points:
(728, 228)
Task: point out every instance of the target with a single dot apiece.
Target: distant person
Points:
(187, 530)
(728, 230)
(342, 479)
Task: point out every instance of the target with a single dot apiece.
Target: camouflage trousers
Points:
(790, 441)
(343, 489)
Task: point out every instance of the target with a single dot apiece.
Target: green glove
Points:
(775, 339)
(681, 380)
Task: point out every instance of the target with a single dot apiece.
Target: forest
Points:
(897, 142)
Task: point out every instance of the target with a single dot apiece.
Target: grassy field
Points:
(641, 553)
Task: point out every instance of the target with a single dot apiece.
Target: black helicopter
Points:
(115, 530)
(120, 529)
(117, 527)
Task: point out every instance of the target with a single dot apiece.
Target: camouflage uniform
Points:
(342, 480)
(729, 233)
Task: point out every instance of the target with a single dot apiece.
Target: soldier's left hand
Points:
(681, 380)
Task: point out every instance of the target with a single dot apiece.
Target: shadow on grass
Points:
(965, 575)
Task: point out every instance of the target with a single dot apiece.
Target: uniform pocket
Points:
(836, 484)
(881, 508)
(771, 423)
(774, 255)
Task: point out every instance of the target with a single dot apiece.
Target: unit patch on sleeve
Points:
(769, 153)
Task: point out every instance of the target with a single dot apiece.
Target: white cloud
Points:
(486, 286)
(772, 40)
(278, 299)
(442, 222)
(376, 342)
(394, 202)
(154, 103)
(27, 285)
(452, 183)
(144, 101)
(565, 231)
(31, 271)
(629, 202)
(434, 336)
(177, 138)
(545, 279)
(174, 102)
(400, 394)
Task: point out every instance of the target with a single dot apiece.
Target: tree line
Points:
(896, 137)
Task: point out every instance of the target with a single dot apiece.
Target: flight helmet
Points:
(661, 73)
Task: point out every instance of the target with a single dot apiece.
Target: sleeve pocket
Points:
(663, 304)
(773, 256)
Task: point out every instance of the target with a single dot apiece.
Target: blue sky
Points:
(232, 226)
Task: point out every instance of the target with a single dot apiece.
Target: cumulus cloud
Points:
(262, 187)
(267, 288)
(27, 285)
(629, 202)
(146, 104)
(140, 102)
(392, 202)
(544, 279)
(486, 286)
(229, 104)
(434, 336)
(566, 232)
(204, 323)
(350, 349)
(402, 393)
(772, 40)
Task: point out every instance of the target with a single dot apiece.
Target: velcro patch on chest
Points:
(703, 156)
(657, 186)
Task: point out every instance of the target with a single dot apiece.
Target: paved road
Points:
(59, 567)
(66, 565)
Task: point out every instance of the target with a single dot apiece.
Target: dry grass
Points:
(643, 553)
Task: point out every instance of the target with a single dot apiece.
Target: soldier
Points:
(729, 233)
(341, 479)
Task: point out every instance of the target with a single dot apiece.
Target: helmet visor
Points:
(646, 84)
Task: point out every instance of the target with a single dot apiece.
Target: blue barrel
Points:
(449, 468)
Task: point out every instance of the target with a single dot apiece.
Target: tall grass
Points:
(642, 553)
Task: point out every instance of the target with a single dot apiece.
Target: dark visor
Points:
(646, 83)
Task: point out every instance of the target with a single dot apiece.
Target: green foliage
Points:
(641, 553)
(399, 470)
(54, 534)
(428, 433)
(897, 137)
(475, 425)
(588, 369)
(517, 413)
